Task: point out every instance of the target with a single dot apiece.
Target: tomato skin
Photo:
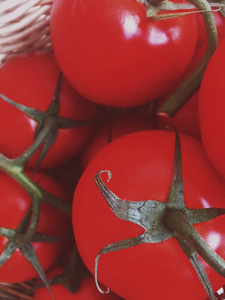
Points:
(220, 24)
(212, 109)
(14, 204)
(115, 127)
(87, 291)
(35, 87)
(113, 55)
(142, 169)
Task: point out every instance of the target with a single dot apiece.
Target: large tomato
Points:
(31, 80)
(14, 204)
(212, 109)
(142, 169)
(114, 55)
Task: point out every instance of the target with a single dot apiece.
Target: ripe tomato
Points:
(115, 127)
(142, 168)
(87, 290)
(220, 24)
(114, 55)
(15, 203)
(31, 80)
(212, 109)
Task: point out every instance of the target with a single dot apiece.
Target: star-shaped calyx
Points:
(164, 220)
(48, 124)
(15, 241)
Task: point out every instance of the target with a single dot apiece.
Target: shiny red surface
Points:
(113, 55)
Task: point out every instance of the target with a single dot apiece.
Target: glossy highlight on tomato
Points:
(114, 55)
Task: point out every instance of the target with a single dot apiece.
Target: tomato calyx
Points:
(24, 235)
(164, 220)
(48, 124)
(15, 241)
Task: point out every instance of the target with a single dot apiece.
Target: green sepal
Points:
(200, 215)
(193, 258)
(8, 233)
(33, 113)
(7, 252)
(29, 253)
(71, 277)
(175, 198)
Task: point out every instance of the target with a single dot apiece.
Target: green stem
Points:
(36, 207)
(16, 172)
(193, 258)
(56, 202)
(25, 157)
(41, 238)
(32, 188)
(178, 223)
(171, 6)
(192, 83)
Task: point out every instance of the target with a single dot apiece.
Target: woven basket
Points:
(20, 291)
(24, 27)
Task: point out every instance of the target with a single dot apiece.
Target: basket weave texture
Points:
(24, 27)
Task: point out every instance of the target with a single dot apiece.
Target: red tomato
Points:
(220, 24)
(212, 109)
(115, 127)
(15, 202)
(34, 78)
(142, 169)
(114, 55)
(87, 291)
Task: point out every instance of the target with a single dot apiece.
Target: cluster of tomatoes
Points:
(83, 141)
